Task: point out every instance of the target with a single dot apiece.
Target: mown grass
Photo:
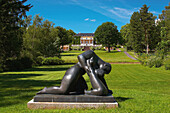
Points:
(113, 56)
(137, 89)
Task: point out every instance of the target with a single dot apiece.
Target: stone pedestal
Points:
(49, 101)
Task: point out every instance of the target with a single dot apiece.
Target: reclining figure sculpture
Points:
(73, 81)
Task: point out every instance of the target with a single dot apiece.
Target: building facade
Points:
(86, 39)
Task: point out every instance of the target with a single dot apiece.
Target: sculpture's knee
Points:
(102, 92)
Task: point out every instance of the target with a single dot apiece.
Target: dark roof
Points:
(84, 34)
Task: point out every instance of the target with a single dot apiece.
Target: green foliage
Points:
(167, 64)
(41, 38)
(52, 61)
(136, 35)
(125, 33)
(92, 48)
(107, 34)
(118, 46)
(163, 48)
(76, 48)
(14, 64)
(151, 60)
(142, 33)
(76, 40)
(154, 61)
(65, 37)
(12, 13)
(1, 70)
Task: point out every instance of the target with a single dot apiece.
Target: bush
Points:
(167, 64)
(76, 48)
(1, 68)
(39, 60)
(118, 46)
(151, 61)
(52, 61)
(102, 48)
(92, 48)
(158, 62)
(15, 64)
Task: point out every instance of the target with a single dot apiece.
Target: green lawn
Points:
(135, 87)
(113, 56)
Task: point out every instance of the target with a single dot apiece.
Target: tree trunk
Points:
(147, 47)
(146, 40)
(108, 48)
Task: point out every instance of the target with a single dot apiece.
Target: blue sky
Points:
(86, 15)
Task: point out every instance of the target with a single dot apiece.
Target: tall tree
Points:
(167, 20)
(136, 36)
(41, 38)
(125, 33)
(63, 36)
(11, 20)
(148, 22)
(107, 34)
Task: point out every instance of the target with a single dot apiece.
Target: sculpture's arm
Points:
(98, 87)
(84, 57)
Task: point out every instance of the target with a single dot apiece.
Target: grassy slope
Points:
(136, 88)
(113, 56)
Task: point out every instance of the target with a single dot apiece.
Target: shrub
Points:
(118, 46)
(1, 68)
(92, 48)
(150, 60)
(76, 48)
(39, 60)
(52, 61)
(167, 64)
(158, 62)
(14, 64)
(102, 48)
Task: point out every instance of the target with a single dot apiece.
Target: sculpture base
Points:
(49, 101)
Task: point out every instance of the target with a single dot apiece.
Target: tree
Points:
(65, 37)
(148, 22)
(11, 21)
(136, 36)
(41, 38)
(125, 33)
(167, 20)
(107, 34)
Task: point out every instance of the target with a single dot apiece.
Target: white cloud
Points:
(93, 20)
(86, 19)
(123, 11)
(154, 12)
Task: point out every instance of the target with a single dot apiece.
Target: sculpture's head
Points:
(104, 69)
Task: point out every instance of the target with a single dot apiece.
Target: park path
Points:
(127, 54)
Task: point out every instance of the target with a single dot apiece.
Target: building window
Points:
(86, 38)
(86, 42)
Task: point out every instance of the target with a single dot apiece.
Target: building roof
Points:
(84, 34)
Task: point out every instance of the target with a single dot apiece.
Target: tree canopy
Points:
(107, 34)
(12, 13)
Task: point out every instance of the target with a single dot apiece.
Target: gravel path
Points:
(127, 54)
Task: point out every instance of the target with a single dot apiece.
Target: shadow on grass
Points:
(7, 77)
(115, 51)
(46, 69)
(121, 99)
(15, 91)
(69, 55)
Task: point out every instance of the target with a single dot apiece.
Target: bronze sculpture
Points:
(73, 81)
